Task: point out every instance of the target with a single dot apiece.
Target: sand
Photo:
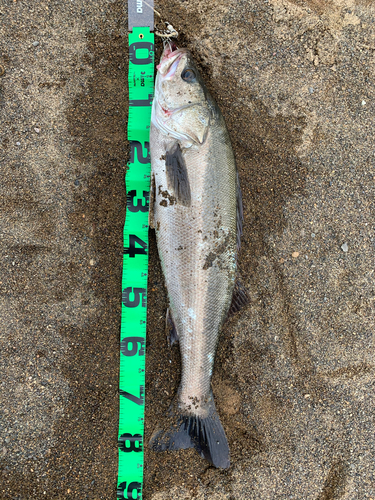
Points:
(294, 374)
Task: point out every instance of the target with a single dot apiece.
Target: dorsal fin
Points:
(239, 213)
(239, 299)
(177, 176)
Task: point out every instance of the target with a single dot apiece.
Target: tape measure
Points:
(135, 267)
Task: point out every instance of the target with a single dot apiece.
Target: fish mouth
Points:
(169, 49)
(169, 61)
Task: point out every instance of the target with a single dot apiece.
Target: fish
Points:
(196, 211)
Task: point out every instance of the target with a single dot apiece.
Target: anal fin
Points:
(170, 329)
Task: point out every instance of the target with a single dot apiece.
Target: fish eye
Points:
(188, 75)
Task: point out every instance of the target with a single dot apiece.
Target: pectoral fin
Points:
(177, 176)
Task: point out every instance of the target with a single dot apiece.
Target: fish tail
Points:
(187, 430)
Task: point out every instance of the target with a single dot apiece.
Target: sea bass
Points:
(196, 211)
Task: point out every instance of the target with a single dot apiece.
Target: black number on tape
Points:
(137, 146)
(141, 45)
(138, 293)
(132, 250)
(127, 442)
(130, 199)
(133, 341)
(122, 491)
(139, 401)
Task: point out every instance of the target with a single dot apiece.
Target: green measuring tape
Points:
(135, 267)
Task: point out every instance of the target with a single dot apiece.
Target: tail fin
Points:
(205, 434)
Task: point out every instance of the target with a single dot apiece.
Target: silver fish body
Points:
(195, 214)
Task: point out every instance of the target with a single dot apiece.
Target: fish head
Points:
(182, 107)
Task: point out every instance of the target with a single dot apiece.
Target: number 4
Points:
(132, 250)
